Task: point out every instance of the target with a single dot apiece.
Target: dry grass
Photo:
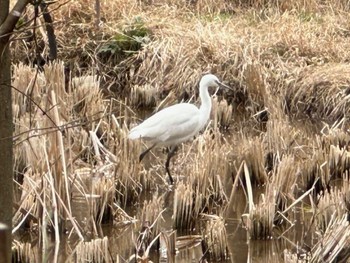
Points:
(24, 252)
(150, 218)
(259, 222)
(334, 243)
(322, 92)
(287, 120)
(215, 238)
(332, 204)
(252, 152)
(206, 171)
(61, 132)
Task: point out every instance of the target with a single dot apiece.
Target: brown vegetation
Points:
(285, 129)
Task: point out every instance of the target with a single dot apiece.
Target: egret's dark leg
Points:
(145, 152)
(171, 153)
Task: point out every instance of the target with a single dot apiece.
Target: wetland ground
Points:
(267, 180)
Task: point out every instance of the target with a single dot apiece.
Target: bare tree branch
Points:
(6, 28)
(50, 31)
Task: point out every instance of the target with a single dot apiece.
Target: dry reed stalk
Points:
(206, 170)
(252, 153)
(209, 170)
(130, 177)
(167, 242)
(187, 206)
(279, 190)
(260, 217)
(281, 137)
(103, 187)
(339, 161)
(327, 162)
(260, 220)
(334, 243)
(27, 203)
(96, 250)
(150, 217)
(335, 135)
(25, 252)
(255, 84)
(332, 204)
(215, 245)
(86, 98)
(222, 112)
(66, 192)
(284, 180)
(316, 168)
(49, 183)
(97, 185)
(143, 96)
(51, 138)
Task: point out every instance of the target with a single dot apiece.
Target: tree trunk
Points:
(7, 24)
(6, 170)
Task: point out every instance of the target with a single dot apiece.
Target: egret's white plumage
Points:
(178, 123)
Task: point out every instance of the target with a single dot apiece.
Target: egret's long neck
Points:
(205, 107)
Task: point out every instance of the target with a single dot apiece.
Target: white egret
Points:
(177, 123)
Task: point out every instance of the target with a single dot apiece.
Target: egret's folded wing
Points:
(173, 122)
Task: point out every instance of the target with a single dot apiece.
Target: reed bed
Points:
(215, 238)
(332, 204)
(25, 252)
(206, 171)
(267, 212)
(284, 181)
(65, 136)
(334, 243)
(285, 125)
(252, 152)
(259, 222)
(151, 215)
(143, 96)
(322, 92)
(130, 177)
(187, 206)
(222, 112)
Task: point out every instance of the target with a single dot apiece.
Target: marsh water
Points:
(292, 235)
(295, 236)
(241, 248)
